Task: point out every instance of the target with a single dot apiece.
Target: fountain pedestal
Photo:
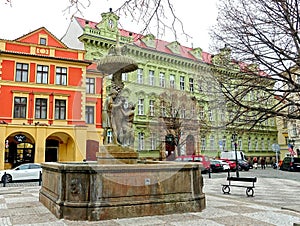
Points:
(91, 191)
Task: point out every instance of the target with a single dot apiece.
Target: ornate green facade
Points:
(170, 68)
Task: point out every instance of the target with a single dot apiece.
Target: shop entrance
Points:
(19, 149)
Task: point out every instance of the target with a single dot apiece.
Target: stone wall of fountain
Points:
(89, 191)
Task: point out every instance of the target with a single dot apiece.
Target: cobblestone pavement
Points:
(275, 202)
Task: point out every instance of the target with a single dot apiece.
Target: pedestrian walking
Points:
(263, 163)
(255, 163)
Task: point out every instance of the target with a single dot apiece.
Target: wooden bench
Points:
(249, 188)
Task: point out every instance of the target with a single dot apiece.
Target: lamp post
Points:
(234, 137)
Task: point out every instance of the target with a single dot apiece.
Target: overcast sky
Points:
(25, 16)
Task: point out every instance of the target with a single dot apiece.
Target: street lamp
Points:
(234, 139)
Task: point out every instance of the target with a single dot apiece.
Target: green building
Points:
(168, 69)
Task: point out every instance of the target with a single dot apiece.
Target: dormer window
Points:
(43, 41)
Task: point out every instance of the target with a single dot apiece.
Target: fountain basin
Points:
(90, 191)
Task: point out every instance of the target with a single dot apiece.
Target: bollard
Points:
(209, 173)
(4, 179)
(40, 179)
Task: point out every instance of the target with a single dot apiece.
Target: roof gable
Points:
(35, 37)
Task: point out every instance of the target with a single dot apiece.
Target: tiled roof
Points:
(160, 45)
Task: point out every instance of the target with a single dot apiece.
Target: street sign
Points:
(276, 147)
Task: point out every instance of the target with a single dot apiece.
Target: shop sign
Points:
(20, 138)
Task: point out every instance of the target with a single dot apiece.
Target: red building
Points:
(51, 101)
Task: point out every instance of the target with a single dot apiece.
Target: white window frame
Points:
(141, 141)
(172, 81)
(191, 83)
(141, 107)
(140, 79)
(162, 79)
(151, 107)
(181, 82)
(151, 78)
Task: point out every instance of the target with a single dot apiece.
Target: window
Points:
(212, 143)
(140, 76)
(141, 141)
(22, 72)
(200, 86)
(294, 130)
(181, 82)
(90, 85)
(210, 115)
(42, 74)
(153, 141)
(41, 108)
(43, 41)
(161, 79)
(193, 111)
(203, 143)
(224, 143)
(20, 106)
(141, 107)
(151, 107)
(191, 82)
(240, 144)
(262, 144)
(249, 143)
(89, 114)
(298, 79)
(256, 144)
(60, 109)
(222, 116)
(182, 113)
(151, 78)
(172, 81)
(124, 76)
(201, 113)
(61, 76)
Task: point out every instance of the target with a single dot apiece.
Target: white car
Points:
(225, 165)
(27, 171)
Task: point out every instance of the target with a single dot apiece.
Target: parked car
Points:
(290, 164)
(243, 165)
(27, 171)
(232, 164)
(195, 158)
(225, 165)
(216, 166)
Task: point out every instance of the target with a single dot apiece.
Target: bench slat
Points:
(244, 179)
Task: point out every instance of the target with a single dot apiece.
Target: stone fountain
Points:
(118, 185)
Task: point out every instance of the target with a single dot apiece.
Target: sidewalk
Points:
(274, 203)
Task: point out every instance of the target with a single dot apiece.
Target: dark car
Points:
(243, 165)
(216, 166)
(290, 164)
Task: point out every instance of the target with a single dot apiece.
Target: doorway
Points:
(51, 151)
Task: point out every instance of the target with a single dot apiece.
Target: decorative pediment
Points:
(109, 22)
(149, 40)
(197, 53)
(174, 47)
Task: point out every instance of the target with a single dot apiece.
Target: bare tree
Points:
(178, 120)
(263, 37)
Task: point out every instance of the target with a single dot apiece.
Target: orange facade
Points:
(44, 98)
